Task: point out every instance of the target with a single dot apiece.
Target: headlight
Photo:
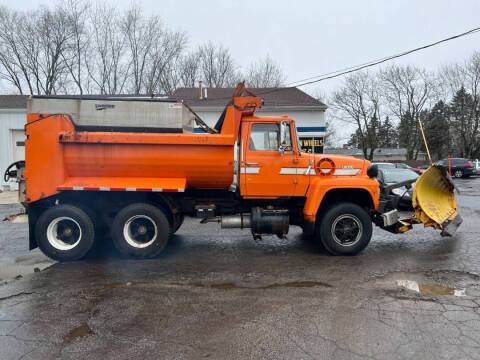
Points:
(400, 191)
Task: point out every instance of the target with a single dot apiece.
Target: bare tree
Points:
(190, 69)
(52, 30)
(164, 61)
(152, 48)
(78, 48)
(13, 69)
(462, 82)
(359, 102)
(140, 34)
(33, 44)
(217, 66)
(408, 90)
(107, 65)
(265, 73)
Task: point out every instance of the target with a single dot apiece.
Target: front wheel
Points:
(458, 174)
(141, 230)
(345, 229)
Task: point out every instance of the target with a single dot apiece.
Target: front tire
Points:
(141, 230)
(65, 233)
(345, 229)
(458, 174)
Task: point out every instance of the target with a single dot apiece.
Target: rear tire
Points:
(64, 233)
(345, 229)
(141, 230)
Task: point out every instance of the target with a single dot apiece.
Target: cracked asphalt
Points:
(220, 295)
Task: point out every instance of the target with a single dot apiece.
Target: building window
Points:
(312, 144)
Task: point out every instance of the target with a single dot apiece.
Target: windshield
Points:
(384, 165)
(397, 175)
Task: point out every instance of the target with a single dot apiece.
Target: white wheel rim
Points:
(353, 226)
(64, 233)
(139, 239)
(458, 173)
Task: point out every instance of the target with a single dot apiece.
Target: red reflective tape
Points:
(68, 188)
(64, 188)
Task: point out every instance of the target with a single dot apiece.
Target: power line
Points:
(380, 61)
(348, 70)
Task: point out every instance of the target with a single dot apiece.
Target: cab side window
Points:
(266, 137)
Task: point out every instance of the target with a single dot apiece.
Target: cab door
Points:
(266, 171)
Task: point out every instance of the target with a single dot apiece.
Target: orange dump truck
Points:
(134, 168)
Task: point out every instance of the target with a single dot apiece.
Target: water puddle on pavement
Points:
(79, 332)
(430, 289)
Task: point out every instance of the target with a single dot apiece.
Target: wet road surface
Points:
(220, 295)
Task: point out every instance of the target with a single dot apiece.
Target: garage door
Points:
(18, 143)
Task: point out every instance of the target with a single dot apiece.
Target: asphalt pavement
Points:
(220, 295)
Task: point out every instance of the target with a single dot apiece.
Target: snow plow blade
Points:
(434, 201)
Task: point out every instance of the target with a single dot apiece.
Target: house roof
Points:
(13, 102)
(218, 97)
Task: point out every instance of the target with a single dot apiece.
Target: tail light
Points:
(469, 165)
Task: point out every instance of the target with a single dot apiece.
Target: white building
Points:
(308, 112)
(13, 116)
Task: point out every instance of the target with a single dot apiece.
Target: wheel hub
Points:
(347, 230)
(64, 233)
(140, 231)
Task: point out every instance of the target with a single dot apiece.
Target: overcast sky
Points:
(309, 38)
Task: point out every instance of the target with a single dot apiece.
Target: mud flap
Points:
(434, 201)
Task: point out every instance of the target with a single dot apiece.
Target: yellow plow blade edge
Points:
(434, 201)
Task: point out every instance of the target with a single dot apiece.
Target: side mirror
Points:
(372, 171)
(283, 137)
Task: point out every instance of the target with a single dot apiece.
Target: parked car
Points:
(389, 176)
(424, 167)
(461, 168)
(382, 165)
(418, 170)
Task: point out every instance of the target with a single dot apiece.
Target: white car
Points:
(476, 167)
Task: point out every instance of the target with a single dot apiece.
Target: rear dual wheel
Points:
(65, 233)
(141, 230)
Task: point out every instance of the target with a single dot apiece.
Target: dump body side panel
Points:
(45, 166)
(58, 156)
